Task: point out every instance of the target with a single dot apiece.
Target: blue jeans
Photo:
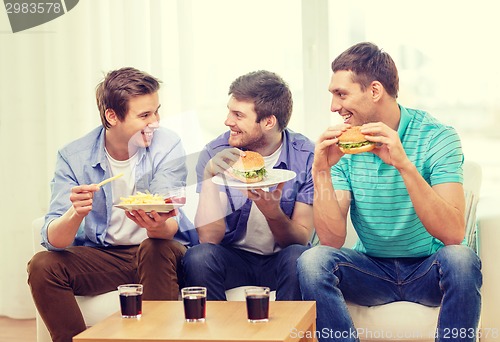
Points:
(219, 268)
(450, 278)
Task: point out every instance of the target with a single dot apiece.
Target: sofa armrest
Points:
(488, 234)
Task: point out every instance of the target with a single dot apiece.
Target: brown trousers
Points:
(55, 277)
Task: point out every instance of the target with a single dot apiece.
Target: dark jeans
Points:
(219, 268)
(450, 278)
(55, 277)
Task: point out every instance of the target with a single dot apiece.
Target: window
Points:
(445, 52)
(447, 57)
(219, 41)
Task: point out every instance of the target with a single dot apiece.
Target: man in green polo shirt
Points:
(406, 202)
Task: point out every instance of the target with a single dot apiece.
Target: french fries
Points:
(142, 198)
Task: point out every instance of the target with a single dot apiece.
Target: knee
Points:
(290, 254)
(41, 266)
(199, 255)
(161, 249)
(311, 263)
(458, 261)
(460, 258)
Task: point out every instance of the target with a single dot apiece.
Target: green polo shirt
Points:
(381, 210)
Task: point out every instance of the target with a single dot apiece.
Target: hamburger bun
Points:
(249, 168)
(352, 141)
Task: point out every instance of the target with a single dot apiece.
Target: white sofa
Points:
(401, 321)
(404, 321)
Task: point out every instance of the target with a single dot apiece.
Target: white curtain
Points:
(48, 75)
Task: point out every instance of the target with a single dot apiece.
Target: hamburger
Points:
(249, 168)
(352, 141)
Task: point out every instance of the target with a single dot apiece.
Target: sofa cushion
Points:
(401, 321)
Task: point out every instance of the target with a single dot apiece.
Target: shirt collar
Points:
(99, 153)
(404, 121)
(282, 159)
(98, 156)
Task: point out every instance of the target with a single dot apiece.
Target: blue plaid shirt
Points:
(297, 155)
(160, 167)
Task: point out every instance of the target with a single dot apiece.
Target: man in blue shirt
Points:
(406, 202)
(253, 237)
(93, 246)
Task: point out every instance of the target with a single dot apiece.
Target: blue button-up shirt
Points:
(297, 155)
(160, 167)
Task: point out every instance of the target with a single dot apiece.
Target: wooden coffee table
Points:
(226, 321)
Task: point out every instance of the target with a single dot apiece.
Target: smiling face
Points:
(136, 130)
(245, 131)
(350, 101)
(142, 119)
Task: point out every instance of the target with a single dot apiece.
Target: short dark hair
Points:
(118, 86)
(369, 63)
(269, 93)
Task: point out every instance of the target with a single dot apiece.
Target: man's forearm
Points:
(329, 222)
(209, 219)
(61, 231)
(287, 231)
(212, 233)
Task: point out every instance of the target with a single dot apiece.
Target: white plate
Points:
(159, 208)
(274, 177)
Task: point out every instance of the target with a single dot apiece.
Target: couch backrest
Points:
(472, 187)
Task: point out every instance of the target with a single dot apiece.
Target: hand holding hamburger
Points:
(352, 141)
(249, 168)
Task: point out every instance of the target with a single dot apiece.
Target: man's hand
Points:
(153, 222)
(326, 152)
(81, 198)
(61, 231)
(389, 147)
(268, 202)
(286, 230)
(222, 161)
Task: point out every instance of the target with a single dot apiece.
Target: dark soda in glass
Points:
(194, 307)
(131, 304)
(258, 307)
